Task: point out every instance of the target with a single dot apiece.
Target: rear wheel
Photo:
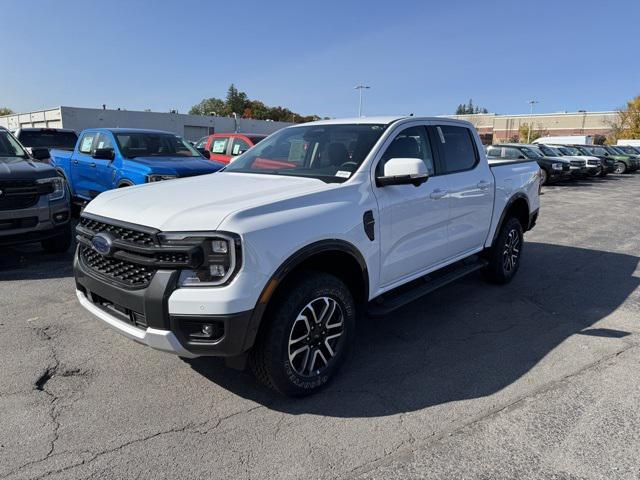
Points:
(620, 167)
(307, 335)
(504, 256)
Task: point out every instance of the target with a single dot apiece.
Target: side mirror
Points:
(40, 153)
(521, 157)
(403, 171)
(104, 154)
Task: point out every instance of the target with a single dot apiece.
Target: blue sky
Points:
(424, 57)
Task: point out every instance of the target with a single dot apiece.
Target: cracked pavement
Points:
(537, 379)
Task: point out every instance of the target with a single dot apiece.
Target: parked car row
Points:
(560, 162)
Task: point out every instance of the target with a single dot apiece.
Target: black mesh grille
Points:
(127, 273)
(578, 163)
(126, 234)
(17, 194)
(173, 257)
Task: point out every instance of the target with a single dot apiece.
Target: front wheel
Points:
(620, 167)
(504, 256)
(307, 335)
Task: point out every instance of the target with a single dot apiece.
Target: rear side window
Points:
(87, 142)
(457, 147)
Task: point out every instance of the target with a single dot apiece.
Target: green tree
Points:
(5, 111)
(523, 133)
(627, 125)
(209, 106)
(236, 100)
(470, 109)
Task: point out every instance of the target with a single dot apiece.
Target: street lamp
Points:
(360, 88)
(531, 104)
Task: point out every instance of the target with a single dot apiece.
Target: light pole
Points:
(531, 104)
(360, 88)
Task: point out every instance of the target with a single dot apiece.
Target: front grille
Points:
(136, 319)
(18, 194)
(593, 162)
(121, 233)
(578, 163)
(127, 273)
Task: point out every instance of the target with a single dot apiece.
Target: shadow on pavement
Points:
(467, 340)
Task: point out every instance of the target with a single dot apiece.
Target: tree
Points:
(627, 125)
(523, 133)
(470, 109)
(5, 111)
(209, 106)
(236, 100)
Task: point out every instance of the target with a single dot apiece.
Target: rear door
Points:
(104, 171)
(414, 219)
(238, 146)
(83, 165)
(471, 188)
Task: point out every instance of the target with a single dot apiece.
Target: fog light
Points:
(60, 217)
(207, 330)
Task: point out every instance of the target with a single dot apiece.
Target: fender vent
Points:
(369, 224)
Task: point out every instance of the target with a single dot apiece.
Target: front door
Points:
(82, 171)
(414, 236)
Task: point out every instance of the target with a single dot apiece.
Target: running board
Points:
(403, 295)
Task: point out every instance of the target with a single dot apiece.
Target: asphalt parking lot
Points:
(538, 379)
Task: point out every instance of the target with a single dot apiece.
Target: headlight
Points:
(55, 187)
(556, 166)
(221, 257)
(156, 177)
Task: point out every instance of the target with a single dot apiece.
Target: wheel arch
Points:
(337, 257)
(518, 207)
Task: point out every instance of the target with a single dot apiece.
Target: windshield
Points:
(147, 144)
(48, 139)
(570, 151)
(596, 151)
(550, 151)
(532, 152)
(9, 146)
(628, 150)
(331, 153)
(613, 151)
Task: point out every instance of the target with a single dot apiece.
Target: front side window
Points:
(9, 147)
(103, 141)
(219, 145)
(150, 144)
(457, 147)
(410, 143)
(331, 153)
(87, 142)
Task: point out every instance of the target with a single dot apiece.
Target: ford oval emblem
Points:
(102, 243)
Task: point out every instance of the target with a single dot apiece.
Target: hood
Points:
(183, 166)
(198, 203)
(558, 159)
(25, 169)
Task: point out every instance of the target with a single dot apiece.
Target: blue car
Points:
(107, 158)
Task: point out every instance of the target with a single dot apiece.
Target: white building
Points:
(191, 127)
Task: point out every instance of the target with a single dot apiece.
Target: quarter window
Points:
(457, 147)
(410, 143)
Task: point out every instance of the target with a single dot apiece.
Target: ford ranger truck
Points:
(271, 260)
(34, 201)
(108, 158)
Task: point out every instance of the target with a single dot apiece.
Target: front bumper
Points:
(42, 221)
(579, 171)
(143, 316)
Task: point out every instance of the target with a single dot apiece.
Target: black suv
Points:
(552, 169)
(34, 200)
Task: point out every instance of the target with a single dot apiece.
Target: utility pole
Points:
(360, 88)
(531, 104)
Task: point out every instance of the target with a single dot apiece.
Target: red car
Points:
(222, 147)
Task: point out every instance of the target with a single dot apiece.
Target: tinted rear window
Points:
(457, 147)
(48, 139)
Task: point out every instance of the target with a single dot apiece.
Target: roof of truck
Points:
(381, 120)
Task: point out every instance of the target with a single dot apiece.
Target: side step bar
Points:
(403, 295)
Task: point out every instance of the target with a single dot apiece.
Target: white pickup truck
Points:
(272, 259)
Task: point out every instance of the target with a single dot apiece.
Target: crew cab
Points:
(552, 169)
(607, 164)
(224, 147)
(271, 260)
(108, 158)
(34, 201)
(60, 138)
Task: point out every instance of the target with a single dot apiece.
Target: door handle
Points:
(92, 165)
(483, 184)
(438, 193)
(75, 162)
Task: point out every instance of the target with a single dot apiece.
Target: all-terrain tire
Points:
(506, 252)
